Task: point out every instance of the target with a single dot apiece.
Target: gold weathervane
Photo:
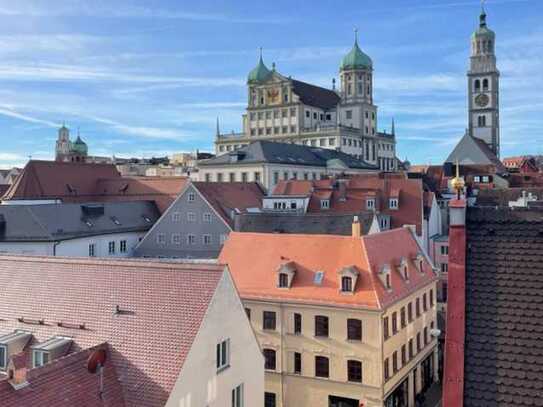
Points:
(458, 182)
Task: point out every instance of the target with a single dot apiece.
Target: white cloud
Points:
(142, 131)
(6, 111)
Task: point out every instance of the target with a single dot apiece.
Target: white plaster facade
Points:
(200, 383)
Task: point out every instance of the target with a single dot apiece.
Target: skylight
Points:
(319, 276)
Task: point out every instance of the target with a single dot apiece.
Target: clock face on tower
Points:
(482, 100)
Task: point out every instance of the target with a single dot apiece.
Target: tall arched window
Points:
(477, 85)
(485, 84)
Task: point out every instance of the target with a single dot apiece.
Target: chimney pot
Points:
(356, 230)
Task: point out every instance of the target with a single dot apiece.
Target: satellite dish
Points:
(96, 360)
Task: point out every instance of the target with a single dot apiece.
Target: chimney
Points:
(356, 230)
(453, 376)
(17, 370)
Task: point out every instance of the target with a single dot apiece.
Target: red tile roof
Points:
(348, 196)
(162, 306)
(254, 258)
(66, 382)
(80, 182)
(226, 197)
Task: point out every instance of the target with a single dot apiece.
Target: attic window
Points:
(393, 203)
(50, 350)
(384, 276)
(285, 274)
(403, 269)
(370, 203)
(419, 262)
(325, 203)
(11, 344)
(346, 284)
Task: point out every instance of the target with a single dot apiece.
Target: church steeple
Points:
(483, 81)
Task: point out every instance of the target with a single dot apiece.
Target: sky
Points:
(149, 77)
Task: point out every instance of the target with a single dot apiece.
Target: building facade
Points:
(484, 87)
(354, 328)
(283, 109)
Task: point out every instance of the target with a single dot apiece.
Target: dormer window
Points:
(403, 269)
(12, 344)
(285, 274)
(370, 203)
(346, 284)
(348, 277)
(419, 262)
(325, 204)
(50, 350)
(393, 203)
(385, 277)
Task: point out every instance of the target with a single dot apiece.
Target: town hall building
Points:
(286, 110)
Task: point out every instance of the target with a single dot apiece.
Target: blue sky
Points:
(143, 78)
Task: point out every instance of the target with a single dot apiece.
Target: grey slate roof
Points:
(286, 153)
(55, 222)
(471, 150)
(312, 95)
(266, 222)
(503, 360)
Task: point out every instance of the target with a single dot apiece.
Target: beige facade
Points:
(304, 388)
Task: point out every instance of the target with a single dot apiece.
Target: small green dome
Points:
(260, 73)
(356, 59)
(79, 146)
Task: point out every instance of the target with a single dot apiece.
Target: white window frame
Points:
(206, 217)
(92, 249)
(38, 357)
(176, 217)
(223, 355)
(191, 217)
(176, 239)
(393, 203)
(111, 247)
(206, 240)
(123, 246)
(325, 204)
(237, 396)
(191, 239)
(4, 360)
(161, 238)
(370, 203)
(192, 196)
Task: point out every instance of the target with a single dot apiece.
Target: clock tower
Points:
(483, 87)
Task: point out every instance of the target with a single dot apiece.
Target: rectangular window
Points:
(297, 324)
(176, 217)
(424, 303)
(297, 363)
(385, 369)
(3, 357)
(395, 361)
(321, 325)
(419, 344)
(123, 246)
(402, 317)
(354, 371)
(348, 114)
(206, 240)
(244, 177)
(208, 179)
(268, 320)
(393, 203)
(331, 141)
(385, 328)
(426, 338)
(275, 177)
(161, 238)
(232, 177)
(191, 196)
(325, 204)
(292, 112)
(410, 312)
(370, 203)
(444, 250)
(39, 358)
(354, 329)
(191, 239)
(444, 268)
(269, 359)
(417, 307)
(206, 217)
(322, 366)
(191, 216)
(431, 298)
(269, 399)
(394, 323)
(223, 354)
(257, 176)
(404, 355)
(237, 396)
(111, 247)
(284, 113)
(411, 352)
(92, 252)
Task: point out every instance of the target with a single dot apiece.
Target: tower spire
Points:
(356, 36)
(482, 17)
(218, 128)
(393, 130)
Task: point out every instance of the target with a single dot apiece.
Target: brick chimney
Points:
(17, 370)
(356, 229)
(453, 377)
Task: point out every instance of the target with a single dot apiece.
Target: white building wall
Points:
(199, 383)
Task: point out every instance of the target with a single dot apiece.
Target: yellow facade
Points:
(305, 389)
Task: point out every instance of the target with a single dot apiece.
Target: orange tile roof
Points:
(253, 259)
